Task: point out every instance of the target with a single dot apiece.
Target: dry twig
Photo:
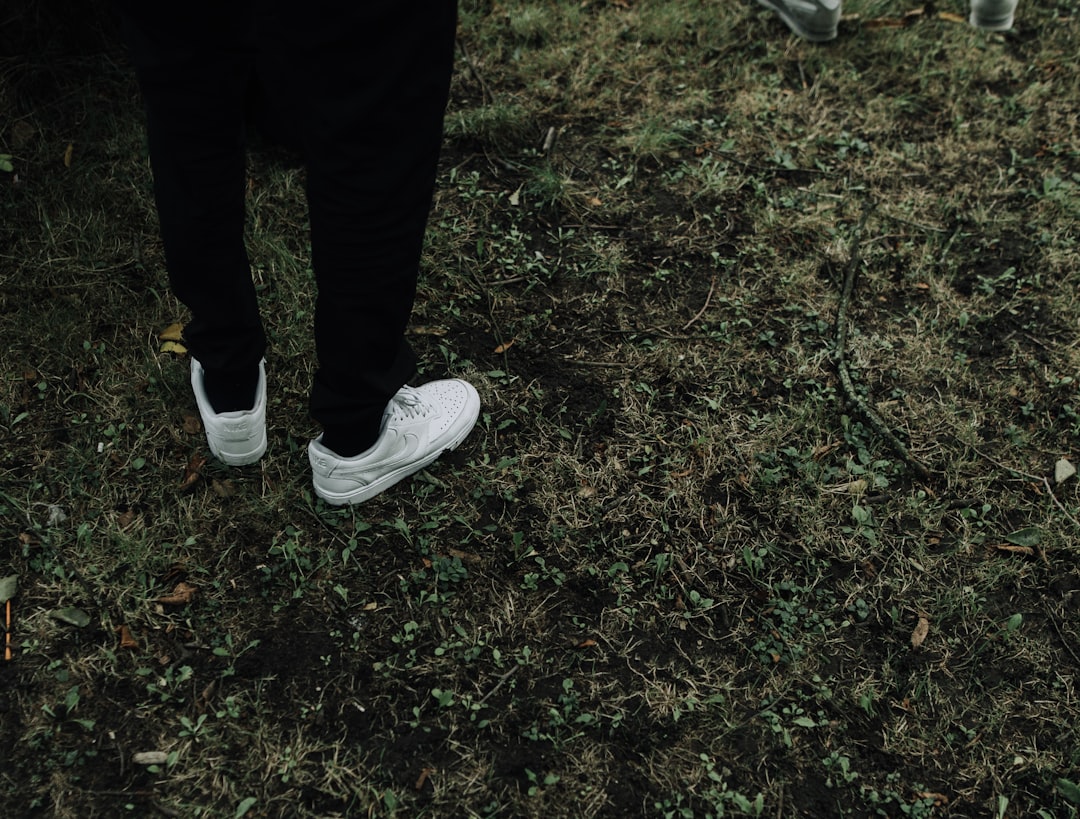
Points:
(1038, 479)
(840, 356)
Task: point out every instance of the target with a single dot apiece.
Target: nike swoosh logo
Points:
(403, 448)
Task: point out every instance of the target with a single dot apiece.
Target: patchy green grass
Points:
(675, 571)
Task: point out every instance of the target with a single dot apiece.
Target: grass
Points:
(674, 572)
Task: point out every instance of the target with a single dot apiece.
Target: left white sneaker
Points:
(235, 438)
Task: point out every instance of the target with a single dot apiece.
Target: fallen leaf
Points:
(192, 471)
(181, 595)
(423, 778)
(8, 587)
(1025, 537)
(370, 606)
(884, 22)
(174, 332)
(223, 489)
(502, 348)
(586, 644)
(72, 616)
(205, 696)
(423, 330)
(949, 17)
(21, 134)
(68, 152)
(855, 487)
(192, 424)
(173, 347)
(56, 515)
(515, 197)
(1063, 470)
(918, 636)
(823, 450)
(150, 758)
(126, 639)
(1011, 547)
(125, 518)
(464, 557)
(936, 798)
(595, 202)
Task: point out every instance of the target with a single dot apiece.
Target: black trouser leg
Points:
(367, 84)
(371, 93)
(193, 84)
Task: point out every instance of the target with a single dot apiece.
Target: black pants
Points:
(363, 87)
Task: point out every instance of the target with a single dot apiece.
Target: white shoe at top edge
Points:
(817, 20)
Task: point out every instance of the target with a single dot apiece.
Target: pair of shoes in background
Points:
(816, 20)
(418, 425)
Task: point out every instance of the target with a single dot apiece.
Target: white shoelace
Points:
(409, 403)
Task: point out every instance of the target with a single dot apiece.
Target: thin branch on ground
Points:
(704, 307)
(475, 71)
(840, 356)
(499, 684)
(1037, 479)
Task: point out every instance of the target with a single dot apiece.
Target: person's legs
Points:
(194, 64)
(369, 86)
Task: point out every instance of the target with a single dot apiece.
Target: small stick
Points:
(1038, 479)
(704, 307)
(484, 93)
(7, 632)
(500, 682)
(840, 357)
(549, 140)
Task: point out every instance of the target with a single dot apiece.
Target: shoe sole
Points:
(240, 458)
(987, 24)
(810, 35)
(386, 481)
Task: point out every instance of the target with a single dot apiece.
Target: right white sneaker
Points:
(813, 20)
(419, 424)
(993, 15)
(235, 438)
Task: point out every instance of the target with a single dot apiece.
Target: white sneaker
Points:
(993, 15)
(236, 438)
(813, 20)
(419, 424)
